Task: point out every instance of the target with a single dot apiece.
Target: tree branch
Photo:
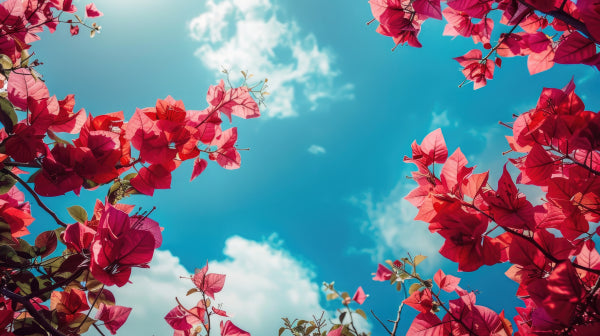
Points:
(35, 195)
(56, 285)
(381, 322)
(32, 311)
(566, 18)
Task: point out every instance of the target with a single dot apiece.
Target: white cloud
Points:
(316, 150)
(264, 283)
(391, 225)
(248, 35)
(439, 120)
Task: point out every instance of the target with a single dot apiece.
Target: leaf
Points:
(574, 49)
(360, 296)
(46, 242)
(230, 329)
(281, 330)
(446, 283)
(414, 287)
(434, 146)
(426, 324)
(418, 259)
(8, 117)
(6, 183)
(341, 317)
(332, 296)
(361, 313)
(101, 297)
(22, 86)
(192, 291)
(78, 213)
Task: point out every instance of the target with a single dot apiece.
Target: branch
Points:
(35, 195)
(397, 319)
(56, 285)
(32, 311)
(381, 322)
(22, 164)
(566, 18)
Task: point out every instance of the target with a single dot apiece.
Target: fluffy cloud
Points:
(316, 150)
(263, 284)
(248, 35)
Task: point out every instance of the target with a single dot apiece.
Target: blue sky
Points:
(318, 196)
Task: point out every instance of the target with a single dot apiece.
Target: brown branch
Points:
(535, 243)
(566, 18)
(22, 164)
(397, 319)
(56, 285)
(32, 311)
(35, 195)
(381, 322)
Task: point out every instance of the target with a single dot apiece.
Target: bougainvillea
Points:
(547, 32)
(550, 246)
(45, 292)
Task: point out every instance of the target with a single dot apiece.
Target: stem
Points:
(351, 320)
(397, 319)
(98, 329)
(566, 18)
(32, 311)
(535, 243)
(93, 304)
(207, 313)
(22, 164)
(35, 195)
(56, 285)
(428, 286)
(381, 322)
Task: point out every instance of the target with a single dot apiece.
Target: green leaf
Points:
(56, 138)
(31, 178)
(8, 117)
(361, 313)
(418, 259)
(129, 176)
(78, 213)
(28, 326)
(6, 63)
(10, 259)
(25, 250)
(414, 287)
(6, 183)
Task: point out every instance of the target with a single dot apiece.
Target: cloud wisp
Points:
(317, 150)
(391, 225)
(250, 35)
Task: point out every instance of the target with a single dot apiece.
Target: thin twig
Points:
(381, 322)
